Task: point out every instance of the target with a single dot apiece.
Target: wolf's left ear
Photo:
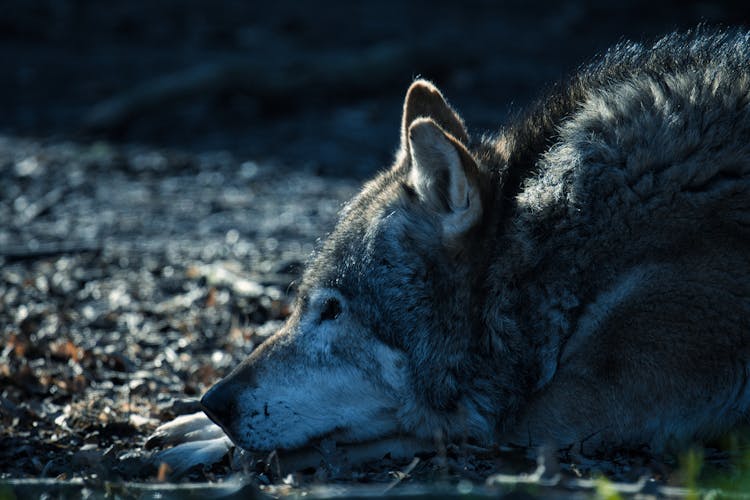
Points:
(445, 177)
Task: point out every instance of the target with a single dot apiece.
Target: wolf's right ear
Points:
(445, 177)
(424, 100)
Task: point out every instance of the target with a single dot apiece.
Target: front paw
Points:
(184, 429)
(194, 440)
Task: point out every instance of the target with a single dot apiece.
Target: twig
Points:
(402, 475)
(37, 208)
(42, 250)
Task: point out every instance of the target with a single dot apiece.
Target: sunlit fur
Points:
(597, 294)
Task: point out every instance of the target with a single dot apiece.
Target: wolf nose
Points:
(218, 403)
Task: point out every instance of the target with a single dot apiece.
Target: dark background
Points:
(309, 84)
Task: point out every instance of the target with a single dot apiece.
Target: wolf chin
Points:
(579, 278)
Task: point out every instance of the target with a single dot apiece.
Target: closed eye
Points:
(331, 310)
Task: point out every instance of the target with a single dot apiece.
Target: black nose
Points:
(219, 403)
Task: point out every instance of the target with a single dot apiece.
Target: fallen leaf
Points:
(211, 299)
(66, 349)
(163, 474)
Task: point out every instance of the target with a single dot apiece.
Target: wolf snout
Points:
(219, 404)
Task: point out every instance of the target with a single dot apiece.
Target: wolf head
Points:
(381, 338)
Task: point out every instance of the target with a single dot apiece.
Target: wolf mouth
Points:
(330, 446)
(215, 419)
(318, 443)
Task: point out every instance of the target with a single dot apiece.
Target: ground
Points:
(166, 172)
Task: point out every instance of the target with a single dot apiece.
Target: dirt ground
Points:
(168, 167)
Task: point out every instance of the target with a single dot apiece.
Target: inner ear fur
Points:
(424, 100)
(445, 177)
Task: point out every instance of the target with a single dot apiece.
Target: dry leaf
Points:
(211, 299)
(65, 349)
(163, 474)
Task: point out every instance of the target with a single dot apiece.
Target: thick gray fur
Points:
(581, 277)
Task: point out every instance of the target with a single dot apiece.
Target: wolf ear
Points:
(423, 99)
(444, 176)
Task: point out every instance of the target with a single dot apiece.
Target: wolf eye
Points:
(331, 310)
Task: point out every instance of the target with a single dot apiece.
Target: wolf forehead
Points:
(371, 232)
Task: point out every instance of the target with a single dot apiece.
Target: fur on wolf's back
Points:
(609, 275)
(626, 204)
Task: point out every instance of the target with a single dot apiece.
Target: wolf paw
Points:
(183, 429)
(195, 440)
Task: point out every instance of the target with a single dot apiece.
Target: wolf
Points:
(580, 278)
